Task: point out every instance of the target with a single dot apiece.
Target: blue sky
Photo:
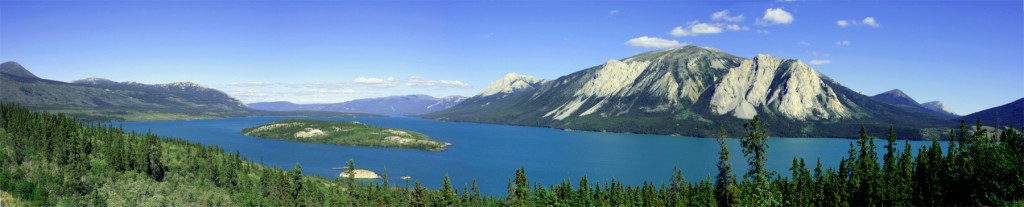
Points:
(967, 54)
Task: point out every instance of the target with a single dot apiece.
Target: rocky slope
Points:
(689, 91)
(939, 107)
(391, 105)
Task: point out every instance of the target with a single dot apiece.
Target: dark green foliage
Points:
(726, 192)
(102, 165)
(344, 133)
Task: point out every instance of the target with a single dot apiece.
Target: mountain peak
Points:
(896, 97)
(14, 69)
(94, 81)
(512, 83)
(938, 106)
(896, 92)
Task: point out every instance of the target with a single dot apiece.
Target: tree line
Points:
(51, 159)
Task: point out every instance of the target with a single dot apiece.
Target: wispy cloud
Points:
(376, 82)
(805, 43)
(820, 62)
(695, 29)
(843, 43)
(870, 21)
(416, 81)
(843, 23)
(724, 16)
(761, 31)
(250, 84)
(867, 21)
(736, 27)
(653, 42)
(613, 13)
(773, 16)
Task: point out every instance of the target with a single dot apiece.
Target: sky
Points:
(968, 54)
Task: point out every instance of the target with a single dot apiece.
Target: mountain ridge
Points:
(98, 99)
(1004, 115)
(413, 104)
(692, 91)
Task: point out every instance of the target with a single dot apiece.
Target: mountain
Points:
(898, 98)
(97, 99)
(1011, 113)
(14, 69)
(689, 91)
(391, 105)
(939, 107)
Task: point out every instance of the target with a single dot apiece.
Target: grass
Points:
(344, 133)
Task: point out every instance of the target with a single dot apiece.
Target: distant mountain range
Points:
(390, 105)
(1005, 115)
(102, 99)
(690, 91)
(898, 98)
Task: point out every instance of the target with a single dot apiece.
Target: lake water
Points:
(491, 153)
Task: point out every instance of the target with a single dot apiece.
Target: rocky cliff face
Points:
(798, 93)
(938, 106)
(677, 91)
(510, 84)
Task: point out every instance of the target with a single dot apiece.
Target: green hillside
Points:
(52, 160)
(97, 99)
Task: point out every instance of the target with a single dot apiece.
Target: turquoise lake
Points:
(491, 153)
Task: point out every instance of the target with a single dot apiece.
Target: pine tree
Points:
(448, 194)
(725, 191)
(755, 148)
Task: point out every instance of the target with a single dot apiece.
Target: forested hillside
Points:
(48, 159)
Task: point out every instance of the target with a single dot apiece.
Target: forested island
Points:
(344, 133)
(53, 160)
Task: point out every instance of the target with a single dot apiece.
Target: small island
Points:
(344, 133)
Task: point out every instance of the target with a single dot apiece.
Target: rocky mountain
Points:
(391, 105)
(101, 99)
(1005, 115)
(939, 107)
(897, 97)
(688, 91)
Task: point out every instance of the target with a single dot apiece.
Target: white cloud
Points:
(805, 43)
(488, 35)
(613, 13)
(724, 15)
(761, 31)
(735, 27)
(653, 42)
(416, 81)
(774, 16)
(843, 23)
(870, 21)
(843, 43)
(696, 29)
(376, 82)
(820, 62)
(250, 84)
